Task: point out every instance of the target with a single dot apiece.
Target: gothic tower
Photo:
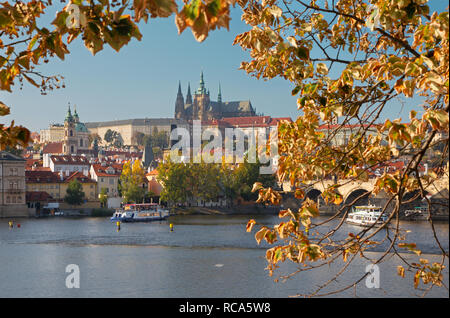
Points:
(219, 96)
(179, 104)
(70, 140)
(201, 101)
(188, 95)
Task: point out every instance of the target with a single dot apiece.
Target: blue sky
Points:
(142, 79)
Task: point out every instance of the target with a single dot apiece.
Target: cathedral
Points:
(199, 106)
(76, 135)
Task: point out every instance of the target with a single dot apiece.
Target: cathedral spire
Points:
(179, 89)
(75, 114)
(69, 114)
(179, 103)
(201, 90)
(219, 96)
(188, 95)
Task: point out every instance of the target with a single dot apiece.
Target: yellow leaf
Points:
(256, 186)
(401, 271)
(260, 234)
(250, 225)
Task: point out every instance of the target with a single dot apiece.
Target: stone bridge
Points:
(352, 190)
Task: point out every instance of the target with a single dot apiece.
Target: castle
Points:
(201, 107)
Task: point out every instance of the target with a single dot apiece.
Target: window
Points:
(111, 181)
(81, 142)
(71, 133)
(8, 200)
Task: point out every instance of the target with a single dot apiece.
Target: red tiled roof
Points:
(247, 121)
(33, 162)
(41, 169)
(80, 177)
(33, 196)
(274, 121)
(100, 170)
(53, 147)
(254, 121)
(38, 176)
(70, 160)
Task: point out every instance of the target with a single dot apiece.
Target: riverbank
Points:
(274, 210)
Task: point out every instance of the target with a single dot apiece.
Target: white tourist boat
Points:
(366, 215)
(417, 212)
(145, 212)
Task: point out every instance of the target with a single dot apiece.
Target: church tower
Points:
(179, 104)
(188, 95)
(76, 119)
(201, 101)
(219, 96)
(70, 140)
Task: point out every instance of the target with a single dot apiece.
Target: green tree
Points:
(103, 196)
(132, 181)
(247, 174)
(93, 137)
(109, 136)
(174, 178)
(74, 193)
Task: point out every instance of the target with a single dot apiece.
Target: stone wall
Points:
(19, 210)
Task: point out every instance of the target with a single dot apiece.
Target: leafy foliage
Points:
(192, 181)
(75, 194)
(348, 61)
(132, 181)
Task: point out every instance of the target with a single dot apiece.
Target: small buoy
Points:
(171, 227)
(218, 265)
(11, 224)
(18, 225)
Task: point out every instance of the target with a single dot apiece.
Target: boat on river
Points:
(366, 215)
(144, 212)
(417, 213)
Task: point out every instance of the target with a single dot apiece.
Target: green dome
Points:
(80, 127)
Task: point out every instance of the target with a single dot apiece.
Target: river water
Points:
(205, 256)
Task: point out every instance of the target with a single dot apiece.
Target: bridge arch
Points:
(361, 196)
(414, 197)
(313, 194)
